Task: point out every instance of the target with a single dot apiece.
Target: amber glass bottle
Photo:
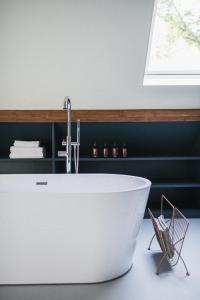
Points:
(115, 150)
(94, 150)
(124, 150)
(105, 150)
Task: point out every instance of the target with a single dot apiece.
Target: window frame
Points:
(186, 77)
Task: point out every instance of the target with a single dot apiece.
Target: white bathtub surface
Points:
(74, 229)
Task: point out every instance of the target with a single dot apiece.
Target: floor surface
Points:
(140, 283)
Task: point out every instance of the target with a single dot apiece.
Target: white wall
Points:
(92, 50)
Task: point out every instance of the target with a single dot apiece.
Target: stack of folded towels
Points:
(26, 149)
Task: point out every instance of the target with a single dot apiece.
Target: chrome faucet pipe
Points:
(76, 147)
(68, 143)
(78, 132)
(67, 106)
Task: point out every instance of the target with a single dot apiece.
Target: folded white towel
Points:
(26, 143)
(26, 150)
(14, 156)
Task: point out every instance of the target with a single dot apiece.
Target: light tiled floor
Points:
(140, 283)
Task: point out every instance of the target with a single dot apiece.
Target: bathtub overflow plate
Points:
(41, 183)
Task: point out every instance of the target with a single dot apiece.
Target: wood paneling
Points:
(136, 115)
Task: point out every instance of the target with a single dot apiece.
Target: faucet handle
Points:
(63, 142)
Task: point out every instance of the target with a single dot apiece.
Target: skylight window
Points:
(174, 46)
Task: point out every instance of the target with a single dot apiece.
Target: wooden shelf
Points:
(129, 115)
(176, 185)
(134, 158)
(195, 213)
(26, 159)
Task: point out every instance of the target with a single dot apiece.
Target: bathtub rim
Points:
(147, 183)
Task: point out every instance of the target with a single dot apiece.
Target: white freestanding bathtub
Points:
(76, 228)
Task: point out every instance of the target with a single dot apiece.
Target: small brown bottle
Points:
(105, 151)
(95, 150)
(124, 151)
(115, 150)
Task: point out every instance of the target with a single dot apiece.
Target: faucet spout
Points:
(67, 103)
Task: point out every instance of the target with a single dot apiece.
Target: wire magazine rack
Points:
(170, 234)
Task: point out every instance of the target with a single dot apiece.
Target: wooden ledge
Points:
(131, 115)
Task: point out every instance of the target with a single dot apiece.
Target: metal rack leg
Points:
(160, 263)
(187, 272)
(151, 241)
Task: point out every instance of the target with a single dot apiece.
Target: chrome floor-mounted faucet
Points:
(68, 142)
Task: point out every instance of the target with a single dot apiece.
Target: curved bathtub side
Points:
(68, 238)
